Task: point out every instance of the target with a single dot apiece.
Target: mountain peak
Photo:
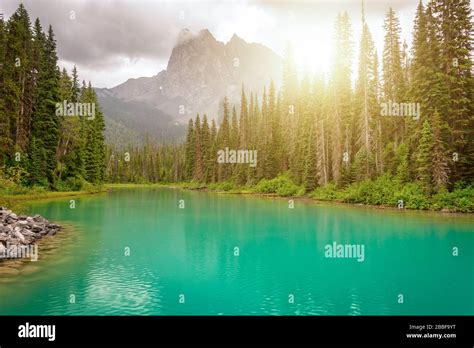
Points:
(236, 37)
(236, 41)
(205, 33)
(184, 36)
(200, 72)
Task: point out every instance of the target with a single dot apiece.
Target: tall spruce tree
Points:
(18, 82)
(45, 122)
(223, 137)
(190, 143)
(393, 78)
(365, 101)
(4, 119)
(424, 157)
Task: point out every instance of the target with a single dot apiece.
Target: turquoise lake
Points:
(137, 252)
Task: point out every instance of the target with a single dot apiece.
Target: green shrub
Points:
(389, 190)
(413, 196)
(461, 199)
(73, 184)
(290, 189)
(464, 205)
(326, 193)
(227, 186)
(221, 186)
(265, 186)
(375, 192)
(282, 185)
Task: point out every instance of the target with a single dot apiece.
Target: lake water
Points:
(136, 252)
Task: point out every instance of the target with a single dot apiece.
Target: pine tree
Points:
(301, 131)
(37, 163)
(424, 156)
(270, 124)
(65, 124)
(439, 158)
(75, 89)
(94, 153)
(5, 132)
(402, 158)
(100, 139)
(223, 137)
(198, 158)
(365, 94)
(18, 86)
(310, 175)
(243, 134)
(234, 130)
(243, 121)
(212, 160)
(319, 95)
(45, 122)
(341, 122)
(205, 148)
(189, 170)
(393, 78)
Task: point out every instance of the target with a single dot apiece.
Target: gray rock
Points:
(18, 234)
(27, 232)
(4, 229)
(52, 232)
(39, 218)
(36, 228)
(53, 226)
(10, 220)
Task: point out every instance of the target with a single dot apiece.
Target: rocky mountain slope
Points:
(200, 72)
(127, 122)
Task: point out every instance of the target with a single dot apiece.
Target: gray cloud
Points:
(102, 30)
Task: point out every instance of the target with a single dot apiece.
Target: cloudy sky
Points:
(113, 40)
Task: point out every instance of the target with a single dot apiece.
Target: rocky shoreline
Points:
(19, 233)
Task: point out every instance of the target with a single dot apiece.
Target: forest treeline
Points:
(40, 146)
(326, 132)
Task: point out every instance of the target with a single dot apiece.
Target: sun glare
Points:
(312, 53)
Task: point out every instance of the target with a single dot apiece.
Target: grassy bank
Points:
(384, 191)
(129, 185)
(14, 200)
(12, 192)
